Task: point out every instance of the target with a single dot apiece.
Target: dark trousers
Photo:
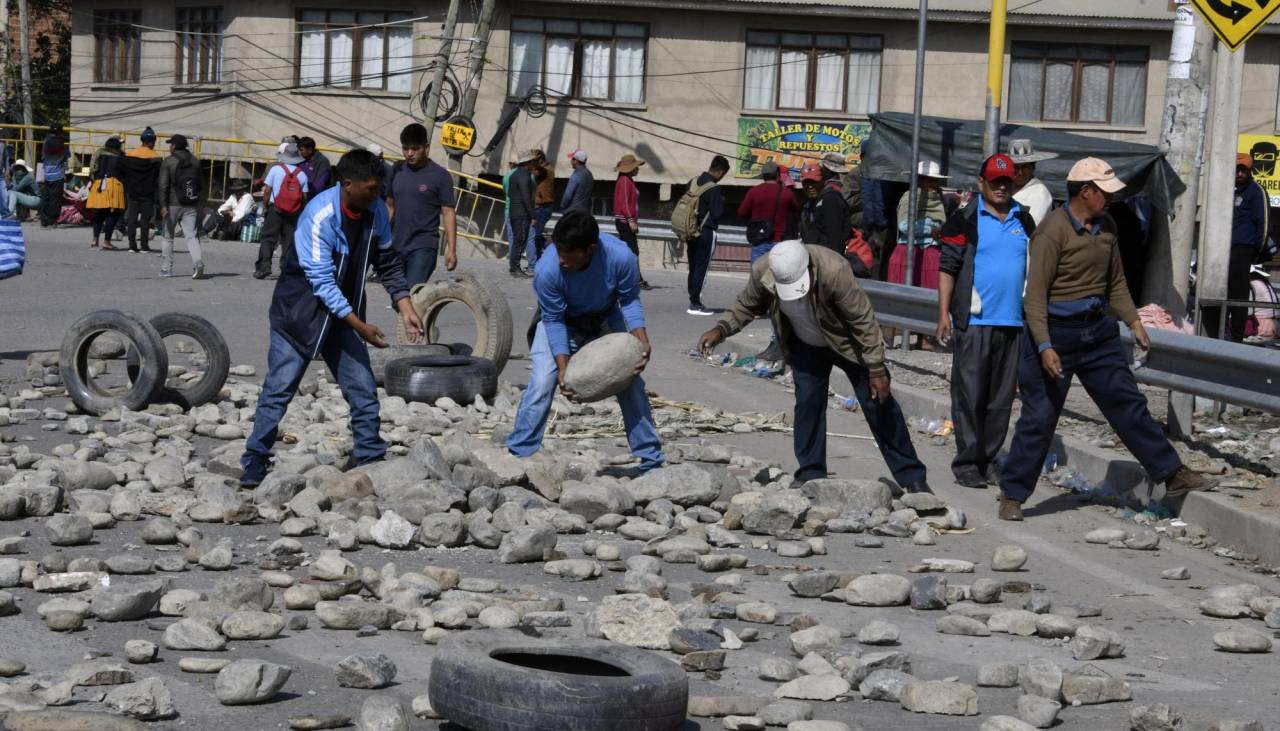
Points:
(984, 373)
(519, 239)
(700, 251)
(1242, 257)
(811, 368)
(1092, 351)
(419, 265)
(629, 238)
(277, 228)
(140, 214)
(104, 219)
(541, 215)
(50, 202)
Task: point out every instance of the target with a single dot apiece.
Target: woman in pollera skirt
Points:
(106, 192)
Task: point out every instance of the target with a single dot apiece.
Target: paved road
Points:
(1170, 656)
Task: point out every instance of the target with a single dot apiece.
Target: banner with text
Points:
(793, 143)
(1263, 148)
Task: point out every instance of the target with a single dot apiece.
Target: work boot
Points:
(971, 477)
(917, 487)
(771, 353)
(1010, 509)
(1185, 481)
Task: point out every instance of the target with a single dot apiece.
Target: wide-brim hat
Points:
(834, 162)
(526, 156)
(287, 153)
(628, 164)
(1022, 152)
(930, 169)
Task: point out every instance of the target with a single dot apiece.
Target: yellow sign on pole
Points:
(1234, 21)
(460, 134)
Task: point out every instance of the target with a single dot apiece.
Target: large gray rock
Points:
(814, 688)
(243, 591)
(354, 615)
(1038, 711)
(848, 495)
(76, 475)
(683, 484)
(193, 634)
(165, 473)
(69, 530)
(383, 713)
(1005, 723)
(252, 626)
(940, 697)
(393, 531)
(390, 476)
(1158, 717)
(127, 602)
(594, 500)
(443, 529)
(1088, 690)
(527, 543)
(147, 699)
(278, 488)
(636, 620)
(1094, 643)
(249, 681)
(778, 513)
(604, 367)
(365, 670)
(1043, 678)
(878, 590)
(885, 685)
(1242, 640)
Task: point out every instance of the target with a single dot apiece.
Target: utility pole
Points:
(475, 67)
(24, 44)
(913, 192)
(442, 63)
(4, 56)
(1215, 249)
(995, 76)
(1186, 105)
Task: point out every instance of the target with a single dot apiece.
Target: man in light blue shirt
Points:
(284, 192)
(981, 273)
(588, 285)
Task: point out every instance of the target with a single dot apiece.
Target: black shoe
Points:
(645, 285)
(771, 353)
(350, 463)
(971, 478)
(917, 486)
(517, 272)
(993, 475)
(261, 275)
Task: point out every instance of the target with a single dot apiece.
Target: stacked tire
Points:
(487, 304)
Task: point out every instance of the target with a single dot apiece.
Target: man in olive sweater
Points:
(824, 320)
(1074, 276)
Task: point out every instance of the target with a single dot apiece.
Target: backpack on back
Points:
(289, 198)
(684, 219)
(186, 183)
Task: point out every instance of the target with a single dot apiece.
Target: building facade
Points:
(671, 81)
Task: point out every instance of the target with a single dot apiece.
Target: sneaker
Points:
(971, 478)
(165, 275)
(261, 275)
(1185, 481)
(1010, 509)
(645, 285)
(771, 353)
(699, 310)
(517, 272)
(198, 272)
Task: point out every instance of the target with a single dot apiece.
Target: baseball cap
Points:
(1096, 171)
(789, 262)
(1244, 160)
(769, 168)
(996, 167)
(580, 155)
(811, 172)
(179, 141)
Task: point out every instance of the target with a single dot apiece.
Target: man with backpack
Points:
(695, 220)
(284, 191)
(180, 193)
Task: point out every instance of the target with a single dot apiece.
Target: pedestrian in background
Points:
(577, 194)
(770, 210)
(544, 200)
(23, 191)
(811, 191)
(703, 248)
(982, 268)
(315, 165)
(1248, 237)
(1074, 276)
(520, 185)
(824, 320)
(52, 175)
(284, 193)
(141, 172)
(831, 212)
(180, 190)
(420, 196)
(106, 191)
(626, 206)
(1030, 193)
(1262, 291)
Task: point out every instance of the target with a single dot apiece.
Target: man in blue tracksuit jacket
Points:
(317, 309)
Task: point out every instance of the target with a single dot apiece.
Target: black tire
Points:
(509, 682)
(487, 305)
(146, 381)
(430, 377)
(215, 348)
(380, 357)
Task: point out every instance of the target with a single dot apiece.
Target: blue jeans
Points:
(541, 215)
(758, 251)
(419, 265)
(348, 360)
(535, 407)
(517, 241)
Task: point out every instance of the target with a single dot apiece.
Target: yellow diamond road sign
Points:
(1235, 20)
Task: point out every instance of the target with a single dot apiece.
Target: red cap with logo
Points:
(996, 167)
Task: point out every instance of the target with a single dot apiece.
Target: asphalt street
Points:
(1169, 657)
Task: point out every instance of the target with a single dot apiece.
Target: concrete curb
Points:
(1230, 525)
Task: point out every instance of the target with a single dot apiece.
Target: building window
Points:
(349, 49)
(820, 72)
(587, 59)
(199, 59)
(118, 53)
(1059, 82)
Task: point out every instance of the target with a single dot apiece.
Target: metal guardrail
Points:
(1223, 371)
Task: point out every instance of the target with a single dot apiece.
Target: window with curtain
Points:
(598, 60)
(355, 49)
(117, 45)
(831, 72)
(1058, 82)
(199, 45)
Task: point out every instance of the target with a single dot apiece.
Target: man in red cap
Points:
(1248, 238)
(980, 274)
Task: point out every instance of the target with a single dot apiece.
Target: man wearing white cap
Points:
(1074, 276)
(1029, 191)
(577, 194)
(824, 320)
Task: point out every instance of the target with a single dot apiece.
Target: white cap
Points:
(22, 162)
(789, 262)
(580, 155)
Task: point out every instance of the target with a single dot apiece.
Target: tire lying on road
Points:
(509, 682)
(146, 381)
(428, 378)
(380, 357)
(217, 357)
(487, 305)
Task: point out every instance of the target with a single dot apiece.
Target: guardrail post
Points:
(1180, 414)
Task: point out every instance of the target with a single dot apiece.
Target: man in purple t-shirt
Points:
(420, 195)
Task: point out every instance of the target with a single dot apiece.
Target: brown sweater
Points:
(1069, 264)
(545, 192)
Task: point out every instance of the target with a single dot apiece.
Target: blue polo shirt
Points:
(1000, 268)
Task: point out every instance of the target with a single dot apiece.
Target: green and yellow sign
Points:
(794, 142)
